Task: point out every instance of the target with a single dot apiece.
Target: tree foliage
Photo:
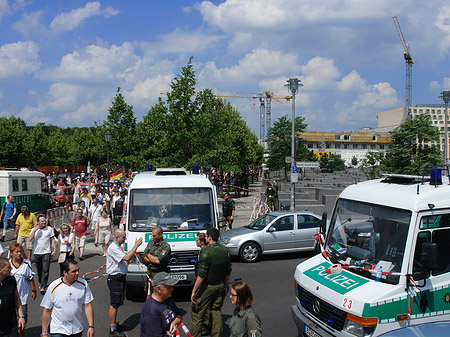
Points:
(409, 151)
(371, 165)
(331, 163)
(280, 146)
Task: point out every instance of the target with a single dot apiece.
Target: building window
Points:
(440, 117)
(364, 146)
(337, 146)
(381, 146)
(372, 146)
(337, 137)
(345, 146)
(327, 145)
(346, 137)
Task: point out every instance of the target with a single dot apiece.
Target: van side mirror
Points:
(430, 256)
(323, 223)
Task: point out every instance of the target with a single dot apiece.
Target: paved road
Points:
(271, 281)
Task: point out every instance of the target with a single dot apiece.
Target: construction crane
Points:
(409, 63)
(265, 107)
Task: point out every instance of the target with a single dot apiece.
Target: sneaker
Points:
(81, 258)
(116, 333)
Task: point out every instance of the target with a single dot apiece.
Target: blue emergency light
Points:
(436, 176)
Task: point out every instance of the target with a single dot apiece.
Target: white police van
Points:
(385, 263)
(183, 203)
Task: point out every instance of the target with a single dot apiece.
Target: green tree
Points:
(409, 151)
(371, 165)
(332, 163)
(354, 161)
(279, 138)
(35, 147)
(122, 124)
(12, 133)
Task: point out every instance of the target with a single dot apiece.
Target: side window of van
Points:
(438, 231)
(24, 185)
(15, 185)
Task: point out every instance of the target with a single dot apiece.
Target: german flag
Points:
(116, 175)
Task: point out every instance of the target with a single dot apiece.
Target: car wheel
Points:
(250, 252)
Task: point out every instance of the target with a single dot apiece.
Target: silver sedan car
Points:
(274, 232)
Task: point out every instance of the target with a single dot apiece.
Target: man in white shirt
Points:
(116, 268)
(44, 248)
(95, 212)
(63, 304)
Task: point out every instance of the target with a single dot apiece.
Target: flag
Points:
(116, 175)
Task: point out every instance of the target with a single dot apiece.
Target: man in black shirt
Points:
(9, 302)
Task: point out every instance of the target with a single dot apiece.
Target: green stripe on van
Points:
(340, 283)
(175, 236)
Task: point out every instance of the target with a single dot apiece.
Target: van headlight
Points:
(358, 326)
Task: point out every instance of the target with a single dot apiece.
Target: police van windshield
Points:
(173, 209)
(367, 236)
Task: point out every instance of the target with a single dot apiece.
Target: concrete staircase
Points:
(316, 192)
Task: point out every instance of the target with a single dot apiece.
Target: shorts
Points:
(116, 220)
(8, 223)
(93, 225)
(24, 239)
(104, 236)
(80, 241)
(116, 285)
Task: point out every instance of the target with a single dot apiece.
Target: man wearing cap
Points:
(24, 224)
(156, 254)
(211, 285)
(159, 315)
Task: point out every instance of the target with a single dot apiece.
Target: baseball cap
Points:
(164, 278)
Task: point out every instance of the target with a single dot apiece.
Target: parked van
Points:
(27, 187)
(63, 195)
(385, 263)
(180, 202)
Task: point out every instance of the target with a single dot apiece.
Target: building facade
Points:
(346, 144)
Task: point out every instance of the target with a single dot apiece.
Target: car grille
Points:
(327, 313)
(183, 258)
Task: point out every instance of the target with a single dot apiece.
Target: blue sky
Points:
(62, 61)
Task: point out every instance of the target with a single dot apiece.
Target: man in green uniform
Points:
(156, 254)
(211, 285)
(272, 197)
(228, 209)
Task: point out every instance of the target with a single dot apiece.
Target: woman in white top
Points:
(23, 273)
(66, 245)
(104, 230)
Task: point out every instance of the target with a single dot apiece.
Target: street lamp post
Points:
(445, 95)
(108, 138)
(293, 84)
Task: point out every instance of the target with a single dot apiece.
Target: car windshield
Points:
(261, 222)
(173, 209)
(58, 192)
(368, 236)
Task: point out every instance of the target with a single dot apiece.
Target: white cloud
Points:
(31, 24)
(4, 8)
(95, 64)
(259, 63)
(352, 83)
(319, 74)
(18, 58)
(443, 23)
(147, 91)
(70, 20)
(94, 110)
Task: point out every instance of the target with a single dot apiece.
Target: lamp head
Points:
(108, 136)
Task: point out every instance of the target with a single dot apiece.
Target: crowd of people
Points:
(67, 298)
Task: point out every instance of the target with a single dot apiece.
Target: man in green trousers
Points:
(211, 285)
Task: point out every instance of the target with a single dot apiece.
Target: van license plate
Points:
(310, 332)
(181, 277)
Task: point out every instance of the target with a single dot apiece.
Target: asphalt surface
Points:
(271, 281)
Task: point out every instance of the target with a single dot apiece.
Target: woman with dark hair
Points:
(245, 321)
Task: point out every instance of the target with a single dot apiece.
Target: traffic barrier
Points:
(57, 213)
(94, 272)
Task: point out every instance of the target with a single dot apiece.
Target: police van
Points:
(385, 263)
(27, 188)
(184, 204)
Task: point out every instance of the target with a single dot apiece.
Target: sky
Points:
(61, 62)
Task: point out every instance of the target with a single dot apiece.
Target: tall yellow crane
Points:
(409, 62)
(265, 107)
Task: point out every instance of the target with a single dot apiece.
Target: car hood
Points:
(236, 232)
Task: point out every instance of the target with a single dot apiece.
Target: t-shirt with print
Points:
(157, 316)
(80, 226)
